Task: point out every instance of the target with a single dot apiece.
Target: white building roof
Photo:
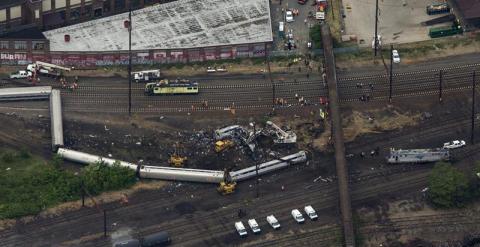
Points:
(178, 24)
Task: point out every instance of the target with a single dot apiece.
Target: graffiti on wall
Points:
(152, 57)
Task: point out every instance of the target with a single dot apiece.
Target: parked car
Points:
(20, 74)
(302, 1)
(273, 222)
(454, 144)
(254, 226)
(379, 38)
(289, 16)
(395, 56)
(297, 216)
(311, 212)
(240, 229)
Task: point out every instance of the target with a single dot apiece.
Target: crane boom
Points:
(53, 66)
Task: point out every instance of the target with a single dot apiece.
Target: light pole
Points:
(267, 59)
(130, 59)
(376, 27)
(252, 124)
(472, 137)
(391, 73)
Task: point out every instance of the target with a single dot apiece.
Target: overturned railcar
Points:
(398, 156)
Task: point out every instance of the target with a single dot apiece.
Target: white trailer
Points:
(146, 75)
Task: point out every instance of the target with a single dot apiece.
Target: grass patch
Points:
(333, 18)
(316, 36)
(411, 50)
(29, 184)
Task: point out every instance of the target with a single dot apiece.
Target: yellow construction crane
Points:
(223, 145)
(227, 186)
(177, 160)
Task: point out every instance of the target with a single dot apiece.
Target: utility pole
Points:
(376, 27)
(130, 59)
(83, 193)
(254, 157)
(270, 76)
(105, 223)
(440, 86)
(333, 14)
(472, 137)
(391, 73)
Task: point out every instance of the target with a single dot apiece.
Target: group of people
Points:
(365, 97)
(374, 152)
(65, 85)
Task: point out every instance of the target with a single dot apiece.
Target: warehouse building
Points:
(468, 11)
(49, 14)
(179, 31)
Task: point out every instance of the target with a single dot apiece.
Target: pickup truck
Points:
(19, 74)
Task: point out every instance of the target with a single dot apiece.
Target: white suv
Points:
(311, 212)
(395, 56)
(289, 16)
(273, 221)
(240, 229)
(254, 226)
(297, 216)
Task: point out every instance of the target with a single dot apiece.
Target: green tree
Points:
(100, 177)
(475, 180)
(448, 187)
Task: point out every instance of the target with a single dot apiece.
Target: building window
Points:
(46, 5)
(135, 4)
(75, 14)
(38, 45)
(3, 45)
(60, 4)
(3, 15)
(16, 12)
(20, 45)
(75, 2)
(119, 5)
(88, 11)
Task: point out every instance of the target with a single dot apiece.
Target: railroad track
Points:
(322, 196)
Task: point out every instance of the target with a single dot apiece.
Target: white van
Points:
(311, 212)
(254, 226)
(297, 216)
(240, 229)
(273, 222)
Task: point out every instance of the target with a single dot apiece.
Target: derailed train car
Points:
(25, 93)
(398, 156)
(56, 119)
(269, 166)
(186, 174)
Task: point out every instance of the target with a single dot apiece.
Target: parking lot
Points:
(299, 28)
(399, 20)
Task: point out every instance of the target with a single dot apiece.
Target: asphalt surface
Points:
(196, 216)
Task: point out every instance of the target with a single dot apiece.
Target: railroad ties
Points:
(340, 161)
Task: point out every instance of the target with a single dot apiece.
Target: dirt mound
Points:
(369, 122)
